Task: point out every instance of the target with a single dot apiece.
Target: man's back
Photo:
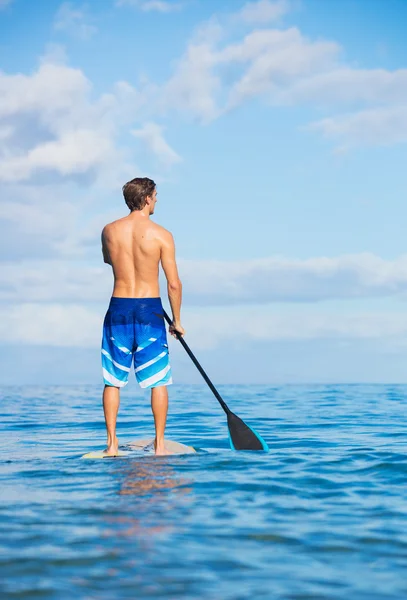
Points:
(133, 246)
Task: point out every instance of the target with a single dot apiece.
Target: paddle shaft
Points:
(198, 366)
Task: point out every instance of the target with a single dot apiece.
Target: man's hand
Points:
(176, 327)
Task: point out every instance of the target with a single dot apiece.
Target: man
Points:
(134, 325)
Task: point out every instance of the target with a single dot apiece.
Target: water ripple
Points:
(322, 516)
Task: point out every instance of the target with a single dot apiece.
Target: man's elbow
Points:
(174, 285)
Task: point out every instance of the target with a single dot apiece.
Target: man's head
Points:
(140, 192)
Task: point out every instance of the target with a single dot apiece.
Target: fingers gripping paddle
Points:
(241, 436)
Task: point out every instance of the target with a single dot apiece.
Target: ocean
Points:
(323, 515)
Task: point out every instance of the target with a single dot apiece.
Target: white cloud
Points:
(284, 280)
(4, 3)
(58, 220)
(275, 59)
(34, 209)
(207, 330)
(56, 280)
(51, 90)
(265, 62)
(73, 325)
(343, 86)
(152, 136)
(50, 123)
(74, 152)
(163, 6)
(194, 86)
(62, 149)
(36, 220)
(263, 11)
(214, 283)
(73, 21)
(284, 67)
(51, 325)
(381, 126)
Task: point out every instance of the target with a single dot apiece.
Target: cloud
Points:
(54, 221)
(217, 283)
(73, 325)
(274, 60)
(213, 76)
(72, 20)
(163, 6)
(35, 220)
(50, 114)
(378, 126)
(4, 3)
(284, 280)
(217, 74)
(263, 11)
(76, 152)
(50, 123)
(344, 86)
(51, 90)
(56, 280)
(63, 149)
(51, 325)
(262, 324)
(194, 86)
(152, 136)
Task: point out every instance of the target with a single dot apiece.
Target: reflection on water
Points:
(149, 476)
(159, 488)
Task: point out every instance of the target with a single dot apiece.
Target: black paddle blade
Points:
(243, 437)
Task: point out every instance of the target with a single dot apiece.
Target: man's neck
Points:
(140, 214)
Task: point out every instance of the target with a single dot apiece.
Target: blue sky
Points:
(276, 132)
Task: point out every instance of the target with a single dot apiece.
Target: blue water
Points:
(323, 515)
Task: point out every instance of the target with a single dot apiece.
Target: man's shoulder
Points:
(160, 231)
(113, 225)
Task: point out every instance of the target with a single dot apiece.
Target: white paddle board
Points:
(147, 445)
(102, 454)
(142, 446)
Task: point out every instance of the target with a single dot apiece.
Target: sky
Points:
(276, 131)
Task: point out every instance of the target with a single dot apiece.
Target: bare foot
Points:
(160, 449)
(112, 448)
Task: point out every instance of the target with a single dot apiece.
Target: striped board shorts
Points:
(135, 328)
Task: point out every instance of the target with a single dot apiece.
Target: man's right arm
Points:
(105, 251)
(174, 285)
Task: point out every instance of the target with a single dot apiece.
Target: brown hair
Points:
(136, 191)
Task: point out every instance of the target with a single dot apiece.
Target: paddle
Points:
(241, 436)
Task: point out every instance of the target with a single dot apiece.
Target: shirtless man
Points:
(134, 325)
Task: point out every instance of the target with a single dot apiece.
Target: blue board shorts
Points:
(135, 328)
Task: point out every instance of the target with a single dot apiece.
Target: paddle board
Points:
(147, 445)
(101, 454)
(143, 446)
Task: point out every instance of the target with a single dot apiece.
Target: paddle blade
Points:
(243, 437)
